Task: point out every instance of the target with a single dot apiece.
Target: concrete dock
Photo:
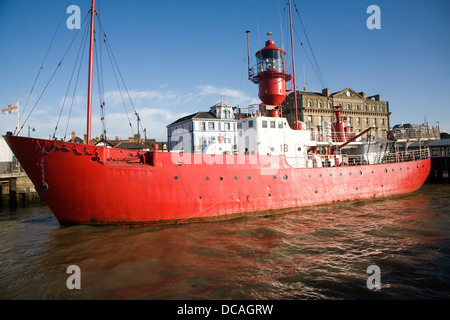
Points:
(17, 190)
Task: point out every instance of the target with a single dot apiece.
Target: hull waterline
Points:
(85, 184)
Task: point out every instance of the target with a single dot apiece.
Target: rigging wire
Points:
(114, 63)
(318, 72)
(83, 41)
(99, 68)
(51, 78)
(76, 83)
(41, 67)
(99, 59)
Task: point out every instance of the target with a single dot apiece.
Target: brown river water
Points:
(313, 253)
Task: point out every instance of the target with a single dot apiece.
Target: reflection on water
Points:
(315, 253)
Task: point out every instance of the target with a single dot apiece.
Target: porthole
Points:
(206, 178)
(221, 178)
(360, 173)
(309, 176)
(285, 177)
(349, 173)
(320, 175)
(400, 169)
(249, 178)
(274, 177)
(385, 170)
(176, 177)
(340, 174)
(235, 178)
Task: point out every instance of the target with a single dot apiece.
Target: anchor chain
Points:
(44, 186)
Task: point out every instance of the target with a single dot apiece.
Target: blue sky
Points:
(179, 57)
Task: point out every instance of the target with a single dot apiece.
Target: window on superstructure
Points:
(280, 125)
(272, 124)
(264, 124)
(250, 124)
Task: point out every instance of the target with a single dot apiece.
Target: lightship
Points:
(278, 167)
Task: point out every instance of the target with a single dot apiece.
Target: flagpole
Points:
(18, 119)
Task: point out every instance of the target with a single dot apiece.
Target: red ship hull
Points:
(85, 184)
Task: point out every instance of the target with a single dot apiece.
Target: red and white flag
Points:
(11, 108)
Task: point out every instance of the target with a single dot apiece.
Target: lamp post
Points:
(32, 129)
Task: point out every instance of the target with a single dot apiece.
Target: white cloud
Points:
(156, 108)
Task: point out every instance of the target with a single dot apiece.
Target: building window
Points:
(264, 124)
(319, 104)
(365, 108)
(309, 104)
(310, 119)
(320, 119)
(228, 126)
(329, 105)
(358, 120)
(374, 121)
(349, 107)
(349, 120)
(210, 126)
(250, 124)
(202, 126)
(357, 107)
(382, 122)
(366, 120)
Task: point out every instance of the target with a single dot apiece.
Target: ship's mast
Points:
(295, 125)
(91, 67)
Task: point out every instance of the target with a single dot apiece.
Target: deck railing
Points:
(331, 160)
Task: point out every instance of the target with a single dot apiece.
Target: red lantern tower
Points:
(270, 75)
